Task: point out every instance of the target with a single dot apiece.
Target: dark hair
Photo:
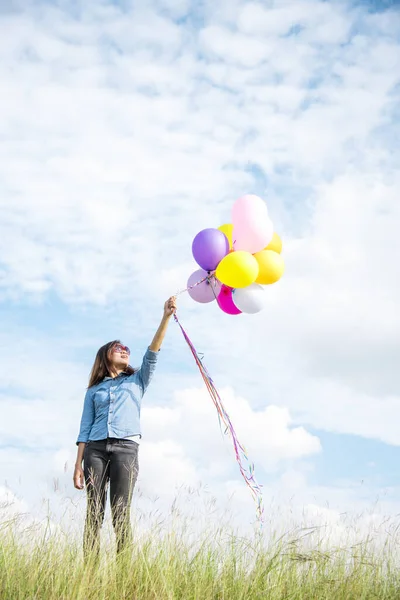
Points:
(102, 365)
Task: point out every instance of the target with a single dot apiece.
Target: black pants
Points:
(116, 461)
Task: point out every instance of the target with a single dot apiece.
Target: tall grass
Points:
(171, 561)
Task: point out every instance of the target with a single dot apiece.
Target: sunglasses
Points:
(121, 348)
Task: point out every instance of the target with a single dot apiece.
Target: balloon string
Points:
(213, 291)
(190, 287)
(247, 474)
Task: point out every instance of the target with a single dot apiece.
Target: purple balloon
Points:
(206, 291)
(209, 248)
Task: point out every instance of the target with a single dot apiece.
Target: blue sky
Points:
(129, 127)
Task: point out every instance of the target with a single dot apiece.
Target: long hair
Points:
(102, 365)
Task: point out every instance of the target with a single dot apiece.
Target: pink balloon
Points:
(225, 301)
(252, 227)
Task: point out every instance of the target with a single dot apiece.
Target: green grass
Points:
(173, 562)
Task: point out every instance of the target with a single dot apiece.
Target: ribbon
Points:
(240, 451)
(190, 287)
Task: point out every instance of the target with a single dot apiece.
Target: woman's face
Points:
(119, 356)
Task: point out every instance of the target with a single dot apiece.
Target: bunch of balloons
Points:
(237, 259)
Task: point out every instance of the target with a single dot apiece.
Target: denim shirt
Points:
(112, 407)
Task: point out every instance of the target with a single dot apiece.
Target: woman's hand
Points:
(79, 477)
(170, 307)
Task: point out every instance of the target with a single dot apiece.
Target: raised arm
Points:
(150, 357)
(169, 310)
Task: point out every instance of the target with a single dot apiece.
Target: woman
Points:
(108, 440)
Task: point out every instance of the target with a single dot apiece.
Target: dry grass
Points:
(171, 562)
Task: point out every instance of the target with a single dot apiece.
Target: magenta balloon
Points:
(206, 291)
(209, 247)
(225, 301)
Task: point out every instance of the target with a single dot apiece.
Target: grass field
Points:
(173, 563)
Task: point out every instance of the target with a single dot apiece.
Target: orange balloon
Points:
(275, 244)
(271, 266)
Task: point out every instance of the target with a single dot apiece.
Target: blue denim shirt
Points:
(112, 407)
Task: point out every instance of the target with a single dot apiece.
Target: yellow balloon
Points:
(227, 229)
(237, 269)
(275, 244)
(271, 266)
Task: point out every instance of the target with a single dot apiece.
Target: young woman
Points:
(108, 440)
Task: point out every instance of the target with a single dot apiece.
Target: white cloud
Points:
(193, 420)
(315, 22)
(255, 19)
(233, 47)
(165, 466)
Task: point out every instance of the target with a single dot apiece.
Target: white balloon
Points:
(250, 299)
